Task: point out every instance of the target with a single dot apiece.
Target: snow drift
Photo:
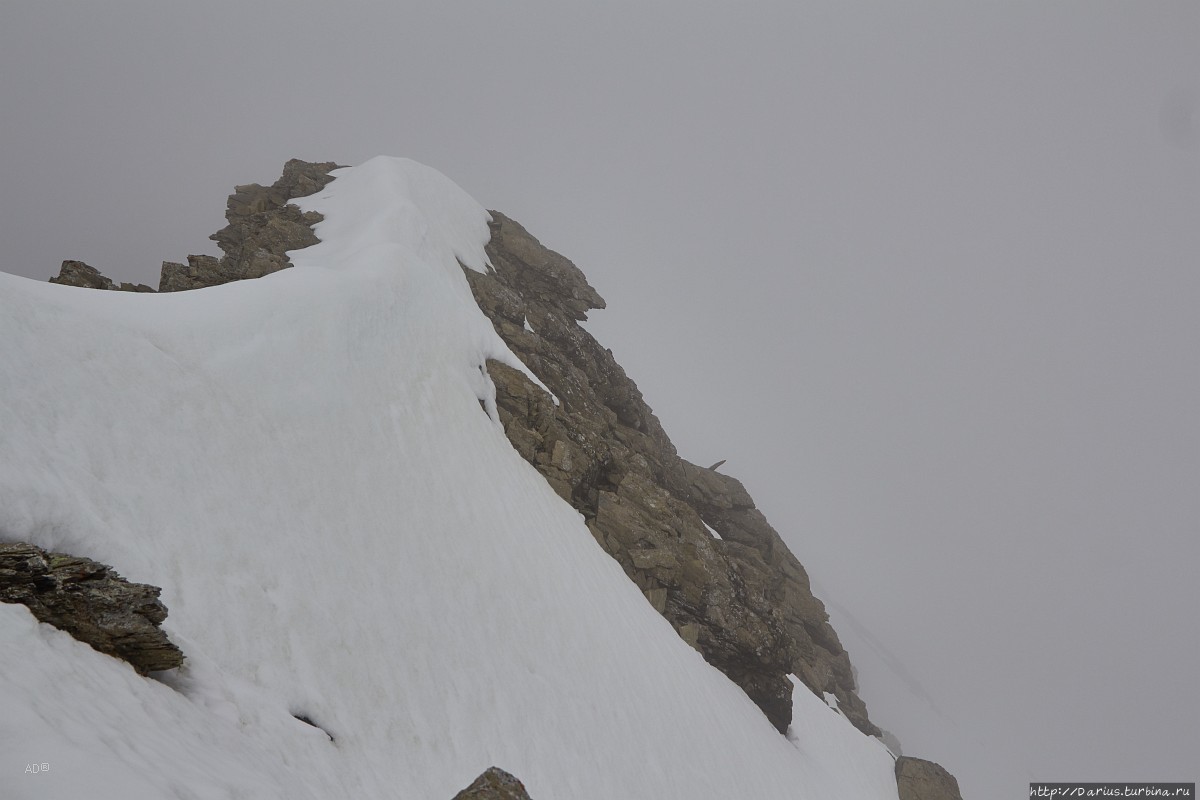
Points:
(310, 465)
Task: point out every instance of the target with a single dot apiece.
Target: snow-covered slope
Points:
(310, 466)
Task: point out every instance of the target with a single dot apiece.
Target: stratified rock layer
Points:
(743, 600)
(91, 602)
(917, 779)
(494, 784)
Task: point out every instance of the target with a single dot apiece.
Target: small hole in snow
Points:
(307, 721)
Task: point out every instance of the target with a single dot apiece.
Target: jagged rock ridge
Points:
(262, 227)
(741, 598)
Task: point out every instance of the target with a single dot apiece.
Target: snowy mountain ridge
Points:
(301, 462)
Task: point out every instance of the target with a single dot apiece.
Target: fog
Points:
(926, 276)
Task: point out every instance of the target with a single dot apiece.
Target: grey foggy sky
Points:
(926, 275)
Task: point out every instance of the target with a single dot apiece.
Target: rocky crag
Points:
(262, 228)
(739, 597)
(494, 784)
(91, 602)
(690, 537)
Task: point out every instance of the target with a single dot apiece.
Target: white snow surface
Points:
(301, 462)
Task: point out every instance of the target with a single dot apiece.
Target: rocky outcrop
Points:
(739, 597)
(77, 273)
(494, 784)
(262, 228)
(91, 602)
(917, 779)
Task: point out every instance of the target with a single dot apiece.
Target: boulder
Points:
(917, 779)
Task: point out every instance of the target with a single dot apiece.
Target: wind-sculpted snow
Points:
(301, 462)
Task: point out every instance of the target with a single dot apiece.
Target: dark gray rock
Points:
(917, 779)
(77, 273)
(91, 602)
(494, 784)
(198, 272)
